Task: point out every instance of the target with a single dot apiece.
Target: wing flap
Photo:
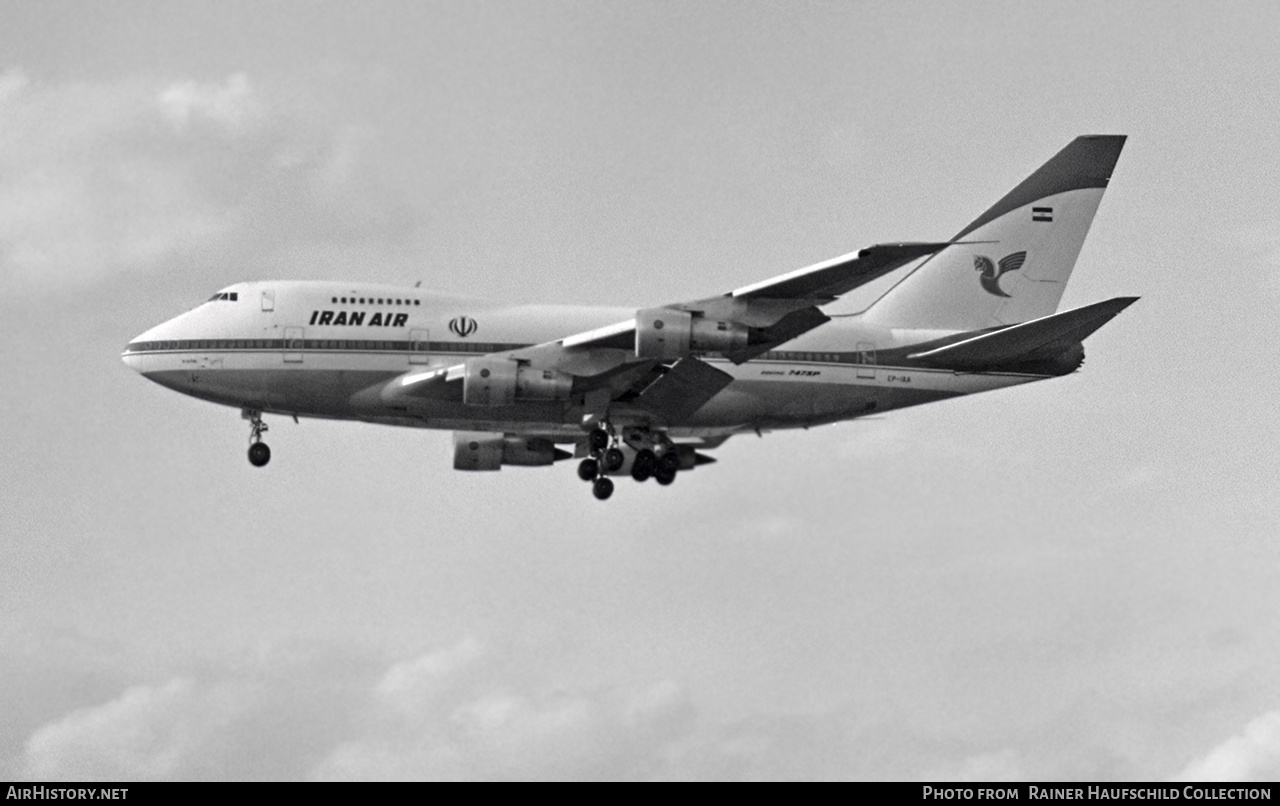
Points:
(1029, 341)
(683, 389)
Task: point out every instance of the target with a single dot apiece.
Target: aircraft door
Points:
(293, 343)
(268, 300)
(866, 360)
(419, 343)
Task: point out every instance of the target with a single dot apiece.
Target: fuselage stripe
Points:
(440, 347)
(350, 346)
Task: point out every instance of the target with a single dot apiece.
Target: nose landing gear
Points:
(259, 453)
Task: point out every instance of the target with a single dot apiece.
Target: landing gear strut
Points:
(259, 453)
(603, 460)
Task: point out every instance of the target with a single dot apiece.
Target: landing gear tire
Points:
(259, 454)
(670, 461)
(613, 459)
(603, 488)
(588, 469)
(665, 476)
(644, 465)
(599, 439)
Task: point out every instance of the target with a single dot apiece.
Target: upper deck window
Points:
(375, 301)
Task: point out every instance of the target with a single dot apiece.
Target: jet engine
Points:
(503, 381)
(666, 334)
(485, 450)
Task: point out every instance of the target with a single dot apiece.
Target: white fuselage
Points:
(321, 349)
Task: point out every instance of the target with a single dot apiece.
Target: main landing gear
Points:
(654, 456)
(259, 453)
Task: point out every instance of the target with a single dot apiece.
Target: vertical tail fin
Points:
(1016, 257)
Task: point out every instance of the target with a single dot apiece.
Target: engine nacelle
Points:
(477, 450)
(530, 452)
(486, 450)
(666, 334)
(504, 381)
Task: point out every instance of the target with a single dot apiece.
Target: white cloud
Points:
(233, 106)
(93, 184)
(460, 712)
(1254, 755)
(147, 733)
(412, 685)
(475, 711)
(104, 178)
(12, 83)
(444, 716)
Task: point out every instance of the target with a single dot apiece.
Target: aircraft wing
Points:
(831, 278)
(649, 362)
(780, 308)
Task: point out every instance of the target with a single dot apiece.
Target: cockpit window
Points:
(226, 296)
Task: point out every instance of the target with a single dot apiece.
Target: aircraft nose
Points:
(131, 358)
(133, 355)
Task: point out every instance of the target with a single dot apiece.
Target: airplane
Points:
(646, 392)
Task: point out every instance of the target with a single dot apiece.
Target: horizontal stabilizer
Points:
(1030, 341)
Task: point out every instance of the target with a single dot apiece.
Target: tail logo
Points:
(463, 326)
(992, 272)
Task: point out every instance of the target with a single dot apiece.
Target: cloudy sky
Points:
(1071, 580)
